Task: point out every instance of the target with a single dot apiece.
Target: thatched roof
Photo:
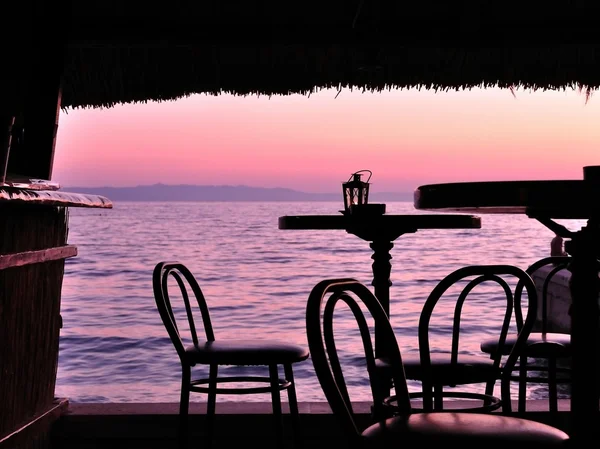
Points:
(127, 51)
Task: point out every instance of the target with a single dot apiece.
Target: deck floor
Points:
(137, 426)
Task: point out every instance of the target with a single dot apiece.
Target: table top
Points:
(406, 223)
(562, 199)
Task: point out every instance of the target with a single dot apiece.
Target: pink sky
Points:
(406, 138)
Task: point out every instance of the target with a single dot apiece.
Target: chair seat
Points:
(245, 352)
(462, 428)
(538, 345)
(470, 369)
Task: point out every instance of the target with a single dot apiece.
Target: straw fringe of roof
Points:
(103, 76)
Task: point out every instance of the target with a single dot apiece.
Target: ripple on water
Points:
(256, 279)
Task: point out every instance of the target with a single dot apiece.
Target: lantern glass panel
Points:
(347, 198)
(363, 195)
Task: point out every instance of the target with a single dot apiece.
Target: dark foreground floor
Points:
(238, 425)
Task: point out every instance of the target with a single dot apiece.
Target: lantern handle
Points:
(361, 171)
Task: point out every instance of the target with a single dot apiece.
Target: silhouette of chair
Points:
(546, 348)
(454, 366)
(215, 353)
(406, 428)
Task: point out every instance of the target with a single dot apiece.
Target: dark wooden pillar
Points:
(32, 151)
(33, 229)
(39, 61)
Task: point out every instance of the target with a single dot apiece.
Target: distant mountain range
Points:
(164, 192)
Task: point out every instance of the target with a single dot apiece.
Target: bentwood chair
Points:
(405, 429)
(214, 353)
(543, 347)
(489, 288)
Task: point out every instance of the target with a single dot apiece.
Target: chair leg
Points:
(427, 391)
(505, 393)
(438, 397)
(184, 404)
(489, 390)
(276, 400)
(211, 405)
(552, 394)
(522, 383)
(293, 402)
(381, 390)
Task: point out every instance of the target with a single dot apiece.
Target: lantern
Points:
(356, 191)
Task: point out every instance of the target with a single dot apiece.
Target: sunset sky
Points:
(406, 138)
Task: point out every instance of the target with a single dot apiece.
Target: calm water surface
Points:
(256, 278)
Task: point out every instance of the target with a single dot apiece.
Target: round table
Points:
(546, 201)
(381, 230)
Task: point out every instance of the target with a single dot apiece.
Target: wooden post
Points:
(7, 123)
(37, 110)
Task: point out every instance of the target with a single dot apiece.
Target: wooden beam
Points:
(30, 257)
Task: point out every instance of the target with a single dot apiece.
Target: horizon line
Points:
(64, 186)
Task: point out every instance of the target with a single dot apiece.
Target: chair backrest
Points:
(559, 263)
(319, 328)
(480, 274)
(185, 281)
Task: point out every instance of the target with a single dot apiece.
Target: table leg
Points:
(585, 289)
(382, 269)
